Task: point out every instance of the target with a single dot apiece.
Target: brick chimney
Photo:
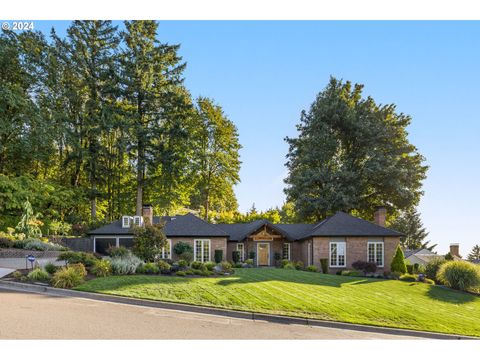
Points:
(380, 215)
(455, 249)
(147, 213)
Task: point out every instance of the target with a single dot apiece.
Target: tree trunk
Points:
(140, 177)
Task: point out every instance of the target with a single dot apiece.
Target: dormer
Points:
(126, 221)
(138, 220)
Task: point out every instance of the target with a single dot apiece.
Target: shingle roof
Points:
(181, 225)
(342, 224)
(189, 225)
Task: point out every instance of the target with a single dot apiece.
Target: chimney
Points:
(380, 215)
(455, 249)
(147, 213)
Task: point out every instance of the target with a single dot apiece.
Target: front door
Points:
(263, 253)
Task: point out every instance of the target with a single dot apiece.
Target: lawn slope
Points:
(297, 293)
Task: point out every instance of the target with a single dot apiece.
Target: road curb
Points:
(42, 289)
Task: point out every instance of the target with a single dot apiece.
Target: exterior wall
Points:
(276, 246)
(356, 249)
(215, 243)
(232, 246)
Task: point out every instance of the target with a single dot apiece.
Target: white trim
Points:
(289, 251)
(169, 242)
(266, 243)
(202, 249)
(309, 252)
(343, 243)
(242, 252)
(140, 220)
(127, 223)
(375, 243)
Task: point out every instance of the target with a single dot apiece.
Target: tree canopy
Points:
(409, 223)
(352, 154)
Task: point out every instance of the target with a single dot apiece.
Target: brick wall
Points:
(356, 249)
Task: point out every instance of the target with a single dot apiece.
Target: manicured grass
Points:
(297, 293)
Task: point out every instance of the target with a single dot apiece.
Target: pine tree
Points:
(474, 254)
(409, 223)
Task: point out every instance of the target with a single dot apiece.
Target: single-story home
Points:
(424, 256)
(341, 238)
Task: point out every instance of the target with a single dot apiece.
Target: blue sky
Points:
(264, 73)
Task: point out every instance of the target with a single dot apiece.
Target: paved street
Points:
(19, 263)
(38, 316)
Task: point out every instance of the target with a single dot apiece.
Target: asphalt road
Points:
(36, 316)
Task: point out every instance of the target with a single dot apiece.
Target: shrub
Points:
(182, 247)
(125, 265)
(284, 262)
(67, 278)
(120, 251)
(5, 243)
(73, 257)
(299, 265)
(210, 265)
(17, 275)
(410, 269)
(398, 262)
(416, 268)
(187, 256)
(182, 263)
(324, 265)
(164, 267)
(408, 277)
(102, 268)
(428, 281)
(312, 268)
(251, 255)
(197, 272)
(289, 266)
(38, 275)
(150, 268)
(236, 256)
(365, 266)
(351, 273)
(181, 273)
(420, 269)
(459, 275)
(148, 241)
(431, 269)
(38, 245)
(449, 257)
(218, 256)
(189, 272)
(226, 266)
(79, 268)
(50, 268)
(197, 265)
(237, 265)
(395, 275)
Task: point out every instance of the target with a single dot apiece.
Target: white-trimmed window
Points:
(202, 250)
(125, 221)
(286, 251)
(375, 252)
(337, 254)
(137, 220)
(167, 250)
(241, 250)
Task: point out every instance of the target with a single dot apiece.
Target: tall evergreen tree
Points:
(474, 254)
(409, 223)
(217, 159)
(152, 78)
(352, 154)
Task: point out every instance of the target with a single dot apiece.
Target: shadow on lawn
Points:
(450, 295)
(292, 276)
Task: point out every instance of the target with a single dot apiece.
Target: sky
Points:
(264, 73)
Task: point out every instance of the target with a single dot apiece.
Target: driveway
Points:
(38, 316)
(19, 263)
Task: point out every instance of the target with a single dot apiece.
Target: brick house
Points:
(341, 238)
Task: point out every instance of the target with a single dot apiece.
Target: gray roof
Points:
(340, 224)
(175, 226)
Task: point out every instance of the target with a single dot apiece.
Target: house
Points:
(424, 256)
(341, 238)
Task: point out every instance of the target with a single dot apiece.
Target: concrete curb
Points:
(42, 289)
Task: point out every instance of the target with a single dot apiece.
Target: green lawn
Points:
(329, 297)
